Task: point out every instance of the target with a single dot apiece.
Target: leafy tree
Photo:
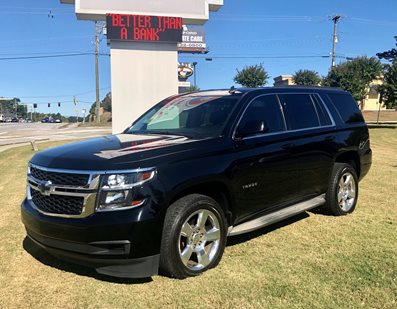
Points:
(307, 78)
(355, 76)
(390, 55)
(106, 103)
(192, 88)
(389, 87)
(252, 76)
(8, 106)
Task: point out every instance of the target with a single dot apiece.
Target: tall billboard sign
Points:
(192, 11)
(143, 36)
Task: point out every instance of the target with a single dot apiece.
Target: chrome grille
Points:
(62, 193)
(58, 204)
(66, 179)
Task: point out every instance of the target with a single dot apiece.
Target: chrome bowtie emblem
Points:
(46, 187)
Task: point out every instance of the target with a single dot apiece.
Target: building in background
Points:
(283, 80)
(371, 102)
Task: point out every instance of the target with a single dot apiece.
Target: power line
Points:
(50, 56)
(46, 39)
(268, 18)
(43, 53)
(62, 95)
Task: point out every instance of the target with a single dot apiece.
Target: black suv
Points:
(194, 169)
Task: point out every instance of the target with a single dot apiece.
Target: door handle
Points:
(330, 138)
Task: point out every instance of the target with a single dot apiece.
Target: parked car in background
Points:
(45, 120)
(193, 170)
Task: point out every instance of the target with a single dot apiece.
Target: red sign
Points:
(144, 28)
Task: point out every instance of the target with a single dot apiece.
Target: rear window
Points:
(347, 107)
(299, 111)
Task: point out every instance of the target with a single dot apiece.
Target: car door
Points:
(311, 142)
(264, 174)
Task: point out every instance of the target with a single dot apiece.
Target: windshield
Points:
(195, 116)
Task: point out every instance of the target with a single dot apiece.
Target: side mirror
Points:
(251, 128)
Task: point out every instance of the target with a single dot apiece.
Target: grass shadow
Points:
(47, 259)
(238, 239)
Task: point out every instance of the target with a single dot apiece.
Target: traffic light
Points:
(59, 104)
(49, 104)
(34, 105)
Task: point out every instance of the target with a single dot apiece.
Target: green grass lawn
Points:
(312, 261)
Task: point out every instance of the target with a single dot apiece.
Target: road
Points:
(13, 134)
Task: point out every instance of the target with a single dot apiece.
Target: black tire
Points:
(342, 194)
(185, 213)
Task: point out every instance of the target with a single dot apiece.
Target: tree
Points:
(389, 55)
(307, 78)
(106, 103)
(355, 76)
(8, 106)
(389, 87)
(252, 76)
(192, 88)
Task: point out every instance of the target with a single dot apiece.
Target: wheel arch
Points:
(352, 158)
(217, 190)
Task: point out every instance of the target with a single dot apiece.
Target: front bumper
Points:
(121, 244)
(123, 268)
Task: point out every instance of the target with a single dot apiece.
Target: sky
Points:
(284, 36)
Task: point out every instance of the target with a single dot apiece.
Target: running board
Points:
(276, 216)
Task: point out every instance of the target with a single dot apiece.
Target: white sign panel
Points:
(192, 11)
(184, 84)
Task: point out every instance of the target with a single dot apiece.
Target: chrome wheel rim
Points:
(199, 239)
(347, 189)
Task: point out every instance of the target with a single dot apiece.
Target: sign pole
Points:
(98, 104)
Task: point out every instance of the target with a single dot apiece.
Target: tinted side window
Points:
(347, 107)
(299, 111)
(267, 109)
(325, 120)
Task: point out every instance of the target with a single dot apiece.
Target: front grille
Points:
(65, 179)
(58, 204)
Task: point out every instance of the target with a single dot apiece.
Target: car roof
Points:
(277, 89)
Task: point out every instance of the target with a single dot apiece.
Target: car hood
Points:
(122, 151)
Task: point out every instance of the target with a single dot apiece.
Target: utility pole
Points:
(194, 72)
(98, 105)
(16, 108)
(335, 19)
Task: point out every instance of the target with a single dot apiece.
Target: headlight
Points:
(118, 191)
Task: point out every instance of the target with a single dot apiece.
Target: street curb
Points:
(25, 142)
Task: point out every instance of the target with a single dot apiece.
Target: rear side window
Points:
(347, 107)
(299, 111)
(325, 120)
(267, 109)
